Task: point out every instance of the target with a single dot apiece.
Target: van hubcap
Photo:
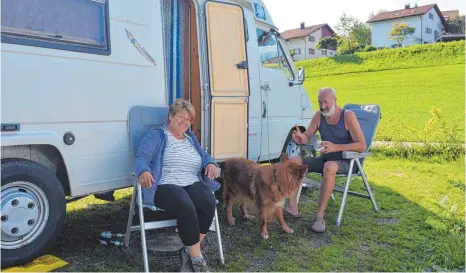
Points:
(24, 214)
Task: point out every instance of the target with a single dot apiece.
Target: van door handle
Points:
(242, 65)
(265, 87)
(264, 109)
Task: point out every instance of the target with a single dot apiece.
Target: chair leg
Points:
(345, 193)
(219, 238)
(130, 217)
(143, 229)
(366, 184)
(332, 196)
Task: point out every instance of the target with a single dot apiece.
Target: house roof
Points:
(298, 32)
(402, 13)
(450, 13)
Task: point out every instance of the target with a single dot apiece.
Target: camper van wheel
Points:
(32, 210)
(291, 148)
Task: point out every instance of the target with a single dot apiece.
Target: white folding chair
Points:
(140, 120)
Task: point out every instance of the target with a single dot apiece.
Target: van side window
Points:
(271, 53)
(75, 25)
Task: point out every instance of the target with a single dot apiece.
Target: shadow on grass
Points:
(403, 236)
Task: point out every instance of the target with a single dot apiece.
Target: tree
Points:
(455, 25)
(361, 34)
(344, 27)
(400, 32)
(327, 42)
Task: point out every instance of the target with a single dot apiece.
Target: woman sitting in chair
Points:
(168, 165)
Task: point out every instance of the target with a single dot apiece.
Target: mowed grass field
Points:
(407, 83)
(420, 227)
(405, 96)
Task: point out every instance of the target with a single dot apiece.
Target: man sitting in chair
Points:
(176, 180)
(340, 131)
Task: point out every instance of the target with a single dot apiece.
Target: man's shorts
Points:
(316, 165)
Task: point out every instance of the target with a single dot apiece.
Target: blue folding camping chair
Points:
(140, 120)
(368, 117)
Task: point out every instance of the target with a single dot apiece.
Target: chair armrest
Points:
(354, 155)
(212, 184)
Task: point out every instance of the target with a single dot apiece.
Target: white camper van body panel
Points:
(50, 92)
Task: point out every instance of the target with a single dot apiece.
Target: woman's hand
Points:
(211, 171)
(146, 179)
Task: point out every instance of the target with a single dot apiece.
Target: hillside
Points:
(407, 84)
(387, 59)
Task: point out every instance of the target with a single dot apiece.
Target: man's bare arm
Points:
(314, 127)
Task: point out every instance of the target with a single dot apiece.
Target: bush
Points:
(451, 148)
(444, 152)
(369, 48)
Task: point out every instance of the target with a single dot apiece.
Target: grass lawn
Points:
(420, 226)
(414, 56)
(405, 96)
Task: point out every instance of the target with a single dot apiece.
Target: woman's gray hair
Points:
(180, 105)
(329, 89)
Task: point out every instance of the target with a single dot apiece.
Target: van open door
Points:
(229, 87)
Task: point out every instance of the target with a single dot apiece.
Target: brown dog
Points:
(246, 181)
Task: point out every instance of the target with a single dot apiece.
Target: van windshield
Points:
(274, 54)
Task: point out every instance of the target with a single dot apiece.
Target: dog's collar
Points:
(275, 179)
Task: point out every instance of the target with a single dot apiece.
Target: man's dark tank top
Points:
(337, 134)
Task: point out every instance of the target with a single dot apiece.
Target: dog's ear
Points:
(283, 157)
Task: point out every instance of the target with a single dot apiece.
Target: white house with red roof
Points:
(428, 21)
(303, 41)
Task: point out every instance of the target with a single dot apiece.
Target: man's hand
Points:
(299, 137)
(329, 147)
(146, 179)
(211, 171)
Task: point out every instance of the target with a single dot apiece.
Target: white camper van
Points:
(71, 70)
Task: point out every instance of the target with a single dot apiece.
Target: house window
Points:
(312, 51)
(331, 53)
(436, 34)
(297, 51)
(431, 16)
(272, 55)
(428, 30)
(75, 25)
(311, 38)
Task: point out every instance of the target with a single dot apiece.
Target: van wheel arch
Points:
(47, 155)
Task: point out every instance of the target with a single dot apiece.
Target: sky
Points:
(288, 14)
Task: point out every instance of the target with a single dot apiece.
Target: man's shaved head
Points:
(327, 101)
(328, 91)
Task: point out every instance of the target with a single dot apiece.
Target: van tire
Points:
(33, 180)
(289, 141)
